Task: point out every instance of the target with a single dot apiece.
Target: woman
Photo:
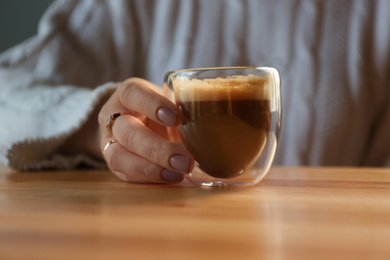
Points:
(106, 60)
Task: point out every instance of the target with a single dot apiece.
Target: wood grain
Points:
(294, 213)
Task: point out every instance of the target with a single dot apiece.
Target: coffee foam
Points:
(231, 88)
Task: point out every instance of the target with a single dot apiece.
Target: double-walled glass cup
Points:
(231, 120)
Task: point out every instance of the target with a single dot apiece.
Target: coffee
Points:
(225, 122)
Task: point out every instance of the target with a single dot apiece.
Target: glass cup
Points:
(231, 121)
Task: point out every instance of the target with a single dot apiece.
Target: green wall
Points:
(19, 20)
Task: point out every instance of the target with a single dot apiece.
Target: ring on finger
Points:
(107, 145)
(111, 119)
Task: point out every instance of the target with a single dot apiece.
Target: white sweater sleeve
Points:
(50, 84)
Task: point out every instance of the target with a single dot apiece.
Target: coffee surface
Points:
(225, 123)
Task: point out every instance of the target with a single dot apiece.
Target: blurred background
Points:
(19, 20)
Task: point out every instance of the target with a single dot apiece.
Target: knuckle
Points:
(101, 117)
(145, 103)
(134, 94)
(126, 90)
(156, 150)
(127, 135)
(104, 111)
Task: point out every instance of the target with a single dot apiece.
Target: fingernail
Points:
(180, 162)
(171, 176)
(167, 116)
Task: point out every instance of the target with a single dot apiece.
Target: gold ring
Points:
(107, 145)
(111, 119)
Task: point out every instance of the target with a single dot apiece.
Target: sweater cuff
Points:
(41, 151)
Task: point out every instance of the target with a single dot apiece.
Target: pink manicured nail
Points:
(167, 116)
(180, 162)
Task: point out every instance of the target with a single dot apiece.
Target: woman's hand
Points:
(140, 151)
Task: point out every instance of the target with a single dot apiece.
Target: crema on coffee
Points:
(226, 121)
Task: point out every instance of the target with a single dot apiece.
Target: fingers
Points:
(141, 152)
(139, 95)
(130, 167)
(135, 137)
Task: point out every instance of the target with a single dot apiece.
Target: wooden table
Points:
(294, 213)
